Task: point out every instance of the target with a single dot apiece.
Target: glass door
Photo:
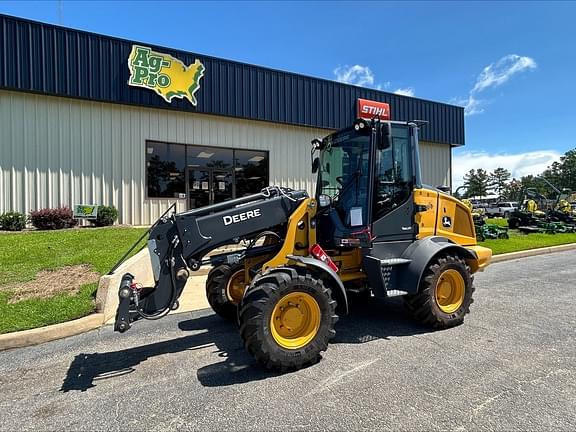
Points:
(222, 186)
(199, 187)
(208, 186)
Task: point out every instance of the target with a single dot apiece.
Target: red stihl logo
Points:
(368, 109)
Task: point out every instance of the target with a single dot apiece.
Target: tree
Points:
(514, 190)
(554, 174)
(499, 180)
(476, 182)
(568, 170)
(532, 182)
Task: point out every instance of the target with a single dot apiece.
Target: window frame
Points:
(187, 146)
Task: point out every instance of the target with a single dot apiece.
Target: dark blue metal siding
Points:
(64, 62)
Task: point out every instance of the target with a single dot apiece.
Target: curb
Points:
(52, 332)
(532, 252)
(81, 325)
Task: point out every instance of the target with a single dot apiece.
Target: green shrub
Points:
(12, 221)
(107, 215)
(54, 218)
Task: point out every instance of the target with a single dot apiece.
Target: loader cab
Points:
(366, 178)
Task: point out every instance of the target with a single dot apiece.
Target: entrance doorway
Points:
(206, 186)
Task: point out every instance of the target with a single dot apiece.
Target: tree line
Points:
(561, 174)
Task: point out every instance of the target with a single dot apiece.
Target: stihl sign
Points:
(368, 109)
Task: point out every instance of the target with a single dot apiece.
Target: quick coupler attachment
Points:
(125, 298)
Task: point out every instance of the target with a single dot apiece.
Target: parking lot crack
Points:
(327, 384)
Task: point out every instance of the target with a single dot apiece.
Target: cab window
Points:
(393, 179)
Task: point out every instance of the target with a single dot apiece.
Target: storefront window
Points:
(251, 171)
(210, 157)
(165, 164)
(204, 175)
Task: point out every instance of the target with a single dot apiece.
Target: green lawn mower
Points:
(490, 231)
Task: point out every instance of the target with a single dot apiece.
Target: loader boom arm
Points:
(178, 243)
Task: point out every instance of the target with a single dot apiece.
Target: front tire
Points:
(287, 319)
(224, 289)
(445, 293)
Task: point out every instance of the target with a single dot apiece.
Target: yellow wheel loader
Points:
(372, 227)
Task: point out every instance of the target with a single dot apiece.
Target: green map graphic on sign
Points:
(84, 211)
(164, 74)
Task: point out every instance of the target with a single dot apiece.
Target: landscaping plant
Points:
(12, 221)
(53, 218)
(107, 215)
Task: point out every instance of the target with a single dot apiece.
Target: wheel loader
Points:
(372, 229)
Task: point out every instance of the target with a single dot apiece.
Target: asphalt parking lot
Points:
(511, 366)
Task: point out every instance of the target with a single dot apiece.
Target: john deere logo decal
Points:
(164, 74)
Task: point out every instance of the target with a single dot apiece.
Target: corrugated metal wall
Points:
(435, 163)
(59, 61)
(59, 151)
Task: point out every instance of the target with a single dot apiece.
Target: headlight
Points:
(324, 201)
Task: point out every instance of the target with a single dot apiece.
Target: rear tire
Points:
(445, 293)
(287, 318)
(218, 291)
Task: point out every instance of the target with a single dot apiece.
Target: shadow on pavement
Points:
(366, 322)
(86, 369)
(374, 319)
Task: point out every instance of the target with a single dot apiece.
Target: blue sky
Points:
(512, 63)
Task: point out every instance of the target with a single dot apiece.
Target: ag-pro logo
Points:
(164, 74)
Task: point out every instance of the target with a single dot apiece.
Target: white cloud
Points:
(408, 91)
(519, 164)
(383, 86)
(494, 75)
(357, 75)
(498, 73)
(471, 105)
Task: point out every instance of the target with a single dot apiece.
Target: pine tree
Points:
(476, 182)
(498, 180)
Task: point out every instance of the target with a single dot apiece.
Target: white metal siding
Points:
(435, 163)
(57, 151)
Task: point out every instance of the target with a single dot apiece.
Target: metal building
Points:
(91, 119)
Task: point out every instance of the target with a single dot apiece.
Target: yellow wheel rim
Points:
(235, 287)
(295, 320)
(450, 290)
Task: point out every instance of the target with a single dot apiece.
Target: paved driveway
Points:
(510, 366)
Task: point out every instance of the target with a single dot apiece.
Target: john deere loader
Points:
(372, 228)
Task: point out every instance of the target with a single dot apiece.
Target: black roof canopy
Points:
(59, 61)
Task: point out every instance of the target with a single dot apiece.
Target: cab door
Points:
(393, 202)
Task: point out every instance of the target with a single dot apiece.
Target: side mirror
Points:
(315, 165)
(385, 140)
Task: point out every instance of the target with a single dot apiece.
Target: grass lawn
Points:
(23, 255)
(498, 221)
(518, 242)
